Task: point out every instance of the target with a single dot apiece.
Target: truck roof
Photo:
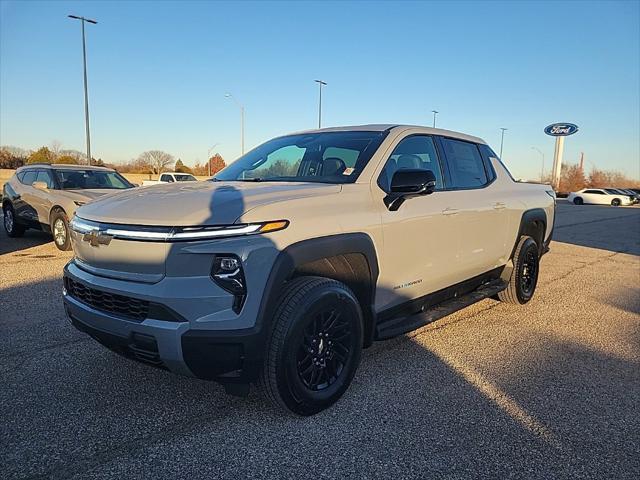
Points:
(381, 127)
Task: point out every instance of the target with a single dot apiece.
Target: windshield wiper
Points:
(256, 179)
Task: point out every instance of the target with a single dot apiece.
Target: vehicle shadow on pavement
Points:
(31, 238)
(416, 409)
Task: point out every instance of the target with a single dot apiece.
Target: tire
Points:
(60, 230)
(11, 225)
(317, 320)
(524, 278)
(615, 202)
(578, 201)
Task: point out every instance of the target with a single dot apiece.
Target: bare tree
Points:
(158, 160)
(56, 148)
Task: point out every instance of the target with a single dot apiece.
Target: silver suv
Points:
(303, 252)
(45, 197)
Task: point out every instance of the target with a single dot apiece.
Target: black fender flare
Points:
(529, 217)
(307, 251)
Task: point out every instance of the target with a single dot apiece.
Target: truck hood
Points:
(196, 203)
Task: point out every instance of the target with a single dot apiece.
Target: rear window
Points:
(185, 178)
(465, 164)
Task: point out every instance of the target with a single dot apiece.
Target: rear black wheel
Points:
(615, 202)
(578, 201)
(314, 347)
(524, 278)
(11, 225)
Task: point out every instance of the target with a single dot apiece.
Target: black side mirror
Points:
(407, 183)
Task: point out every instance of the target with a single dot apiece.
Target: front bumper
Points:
(192, 343)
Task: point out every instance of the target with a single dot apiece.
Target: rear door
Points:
(25, 209)
(478, 213)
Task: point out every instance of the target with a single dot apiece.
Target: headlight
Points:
(227, 272)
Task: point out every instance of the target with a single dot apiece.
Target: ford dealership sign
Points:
(561, 129)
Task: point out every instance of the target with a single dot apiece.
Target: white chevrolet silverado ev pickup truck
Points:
(301, 253)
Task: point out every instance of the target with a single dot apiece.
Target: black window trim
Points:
(486, 154)
(439, 156)
(450, 179)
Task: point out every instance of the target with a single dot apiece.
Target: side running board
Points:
(401, 325)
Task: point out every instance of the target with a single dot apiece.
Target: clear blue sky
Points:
(158, 72)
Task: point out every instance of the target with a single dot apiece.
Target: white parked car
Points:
(170, 177)
(600, 196)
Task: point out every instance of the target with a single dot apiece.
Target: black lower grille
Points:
(127, 307)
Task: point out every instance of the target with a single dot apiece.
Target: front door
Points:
(419, 241)
(41, 198)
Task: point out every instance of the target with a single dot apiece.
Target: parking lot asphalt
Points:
(547, 390)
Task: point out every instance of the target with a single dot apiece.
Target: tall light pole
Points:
(241, 107)
(502, 141)
(542, 169)
(209, 159)
(86, 94)
(435, 112)
(320, 84)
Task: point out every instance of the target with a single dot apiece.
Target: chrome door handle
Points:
(450, 211)
(499, 205)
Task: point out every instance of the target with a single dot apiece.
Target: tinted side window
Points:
(44, 176)
(596, 192)
(487, 153)
(417, 151)
(29, 177)
(465, 164)
(166, 178)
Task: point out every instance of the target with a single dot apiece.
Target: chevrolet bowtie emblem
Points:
(97, 238)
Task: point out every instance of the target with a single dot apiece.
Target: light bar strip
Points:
(223, 232)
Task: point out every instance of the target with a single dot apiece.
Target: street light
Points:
(320, 84)
(241, 107)
(502, 141)
(542, 170)
(435, 112)
(86, 94)
(209, 158)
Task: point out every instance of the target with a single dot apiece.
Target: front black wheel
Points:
(314, 347)
(615, 202)
(11, 225)
(578, 201)
(524, 278)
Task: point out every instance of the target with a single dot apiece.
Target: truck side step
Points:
(404, 324)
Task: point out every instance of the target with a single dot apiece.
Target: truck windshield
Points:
(323, 157)
(72, 179)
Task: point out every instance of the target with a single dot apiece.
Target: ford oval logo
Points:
(561, 129)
